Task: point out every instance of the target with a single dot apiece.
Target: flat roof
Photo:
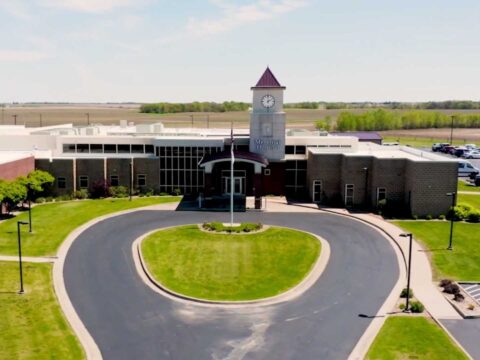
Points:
(9, 156)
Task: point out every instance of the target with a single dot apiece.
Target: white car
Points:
(467, 169)
(471, 146)
(474, 154)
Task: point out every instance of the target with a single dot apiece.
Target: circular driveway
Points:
(128, 320)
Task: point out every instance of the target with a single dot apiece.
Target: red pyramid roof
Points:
(268, 80)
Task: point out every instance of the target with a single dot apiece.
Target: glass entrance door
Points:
(238, 188)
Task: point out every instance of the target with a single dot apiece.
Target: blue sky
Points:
(161, 50)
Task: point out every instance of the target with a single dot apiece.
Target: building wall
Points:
(426, 186)
(93, 168)
(353, 173)
(150, 168)
(58, 168)
(120, 168)
(327, 168)
(16, 168)
(388, 174)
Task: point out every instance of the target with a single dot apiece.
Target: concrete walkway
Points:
(28, 259)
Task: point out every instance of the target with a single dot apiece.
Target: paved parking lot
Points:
(472, 289)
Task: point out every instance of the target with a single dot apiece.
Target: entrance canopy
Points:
(259, 161)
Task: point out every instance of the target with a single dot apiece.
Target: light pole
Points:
(29, 188)
(409, 235)
(451, 131)
(454, 202)
(88, 118)
(131, 179)
(19, 223)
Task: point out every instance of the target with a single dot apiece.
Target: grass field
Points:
(416, 141)
(472, 200)
(230, 267)
(53, 222)
(32, 325)
(462, 186)
(463, 263)
(413, 338)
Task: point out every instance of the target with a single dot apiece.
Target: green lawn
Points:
(32, 325)
(230, 267)
(419, 141)
(463, 263)
(53, 222)
(413, 338)
(472, 200)
(462, 186)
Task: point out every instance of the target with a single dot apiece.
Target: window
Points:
(381, 194)
(61, 182)
(289, 149)
(300, 149)
(83, 182)
(317, 191)
(349, 190)
(114, 181)
(137, 149)
(149, 149)
(266, 172)
(96, 148)
(124, 148)
(141, 180)
(110, 148)
(68, 148)
(82, 148)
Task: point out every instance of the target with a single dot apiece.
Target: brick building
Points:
(269, 159)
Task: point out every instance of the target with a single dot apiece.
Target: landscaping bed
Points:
(221, 267)
(219, 227)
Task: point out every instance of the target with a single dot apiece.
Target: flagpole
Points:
(232, 187)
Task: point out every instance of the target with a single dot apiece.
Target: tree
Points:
(11, 193)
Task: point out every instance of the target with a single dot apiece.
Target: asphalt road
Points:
(467, 332)
(130, 321)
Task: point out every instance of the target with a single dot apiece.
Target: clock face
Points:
(268, 101)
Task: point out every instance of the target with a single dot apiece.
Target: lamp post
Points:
(454, 202)
(29, 188)
(409, 270)
(19, 223)
(131, 180)
(451, 130)
(88, 118)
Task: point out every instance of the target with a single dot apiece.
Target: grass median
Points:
(463, 263)
(413, 338)
(230, 267)
(53, 222)
(463, 186)
(33, 325)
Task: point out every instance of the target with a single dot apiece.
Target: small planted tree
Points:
(11, 193)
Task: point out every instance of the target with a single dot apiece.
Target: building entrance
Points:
(238, 182)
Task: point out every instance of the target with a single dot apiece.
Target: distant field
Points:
(107, 114)
(460, 136)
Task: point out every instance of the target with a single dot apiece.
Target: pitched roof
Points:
(268, 80)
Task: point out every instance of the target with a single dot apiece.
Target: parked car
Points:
(439, 146)
(459, 151)
(471, 146)
(467, 169)
(446, 149)
(477, 180)
(474, 154)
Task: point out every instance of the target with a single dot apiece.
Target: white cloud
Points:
(18, 9)
(22, 56)
(91, 6)
(233, 15)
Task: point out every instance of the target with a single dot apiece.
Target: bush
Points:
(459, 212)
(65, 197)
(100, 189)
(48, 199)
(163, 194)
(471, 307)
(119, 191)
(145, 191)
(219, 227)
(80, 194)
(473, 216)
(176, 192)
(40, 200)
(414, 216)
(401, 306)
(403, 294)
(428, 217)
(459, 297)
(445, 282)
(441, 217)
(451, 289)
(416, 307)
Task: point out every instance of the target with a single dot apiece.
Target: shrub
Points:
(441, 217)
(459, 297)
(145, 191)
(416, 307)
(100, 189)
(219, 227)
(459, 212)
(176, 192)
(40, 200)
(403, 294)
(445, 282)
(119, 191)
(471, 307)
(473, 216)
(401, 306)
(414, 216)
(429, 217)
(65, 197)
(48, 199)
(80, 194)
(451, 289)
(163, 194)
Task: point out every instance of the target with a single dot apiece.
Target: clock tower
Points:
(267, 121)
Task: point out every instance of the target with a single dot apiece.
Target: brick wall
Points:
(13, 169)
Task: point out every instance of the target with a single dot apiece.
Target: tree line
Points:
(428, 105)
(171, 108)
(380, 119)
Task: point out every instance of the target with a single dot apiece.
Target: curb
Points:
(288, 295)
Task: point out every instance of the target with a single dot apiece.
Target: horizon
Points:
(146, 51)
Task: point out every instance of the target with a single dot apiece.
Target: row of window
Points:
(186, 151)
(108, 148)
(295, 149)
(349, 193)
(83, 181)
(295, 175)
